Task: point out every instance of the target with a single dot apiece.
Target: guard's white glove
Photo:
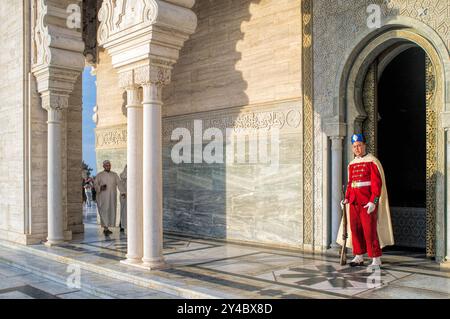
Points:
(370, 207)
(343, 202)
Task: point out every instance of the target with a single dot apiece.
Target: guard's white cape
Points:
(384, 224)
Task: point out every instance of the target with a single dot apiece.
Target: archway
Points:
(389, 44)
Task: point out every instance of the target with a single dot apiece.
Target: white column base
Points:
(53, 243)
(155, 266)
(56, 242)
(152, 266)
(131, 261)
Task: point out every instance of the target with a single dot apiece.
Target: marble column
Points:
(146, 57)
(152, 177)
(336, 187)
(57, 61)
(55, 215)
(134, 177)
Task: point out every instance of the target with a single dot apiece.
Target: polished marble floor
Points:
(16, 283)
(200, 268)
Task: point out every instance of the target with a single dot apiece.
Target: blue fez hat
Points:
(358, 138)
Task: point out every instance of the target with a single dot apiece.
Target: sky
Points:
(89, 102)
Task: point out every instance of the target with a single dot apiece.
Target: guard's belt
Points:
(360, 184)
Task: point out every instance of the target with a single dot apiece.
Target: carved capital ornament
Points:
(57, 52)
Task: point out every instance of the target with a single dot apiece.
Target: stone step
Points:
(174, 288)
(181, 280)
(90, 282)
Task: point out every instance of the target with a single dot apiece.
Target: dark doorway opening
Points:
(402, 145)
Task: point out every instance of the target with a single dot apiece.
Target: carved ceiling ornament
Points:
(118, 15)
(136, 32)
(41, 37)
(55, 42)
(57, 59)
(144, 38)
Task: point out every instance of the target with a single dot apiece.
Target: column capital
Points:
(55, 79)
(56, 101)
(126, 80)
(133, 97)
(332, 127)
(336, 143)
(55, 86)
(157, 72)
(152, 94)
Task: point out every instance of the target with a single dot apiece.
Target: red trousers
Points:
(364, 231)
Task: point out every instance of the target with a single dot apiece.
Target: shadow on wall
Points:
(196, 195)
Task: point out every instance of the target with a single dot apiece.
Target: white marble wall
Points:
(245, 56)
(248, 202)
(11, 120)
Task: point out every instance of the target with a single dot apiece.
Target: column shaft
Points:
(152, 172)
(55, 218)
(336, 187)
(134, 177)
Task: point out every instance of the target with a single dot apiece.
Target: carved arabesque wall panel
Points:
(370, 106)
(431, 131)
(308, 123)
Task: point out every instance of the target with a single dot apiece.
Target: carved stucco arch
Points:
(353, 108)
(436, 44)
(348, 101)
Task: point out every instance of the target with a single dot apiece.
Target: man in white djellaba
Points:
(106, 184)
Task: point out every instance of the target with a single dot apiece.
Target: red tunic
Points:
(363, 172)
(363, 225)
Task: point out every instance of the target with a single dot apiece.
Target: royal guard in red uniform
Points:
(367, 206)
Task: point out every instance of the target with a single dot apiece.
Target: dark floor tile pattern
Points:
(30, 291)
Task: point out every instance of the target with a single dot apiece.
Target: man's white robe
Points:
(123, 200)
(107, 199)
